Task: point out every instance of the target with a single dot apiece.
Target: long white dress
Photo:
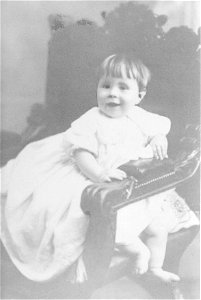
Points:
(43, 226)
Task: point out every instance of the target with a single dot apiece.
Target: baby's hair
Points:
(122, 65)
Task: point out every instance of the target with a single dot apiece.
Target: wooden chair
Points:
(102, 201)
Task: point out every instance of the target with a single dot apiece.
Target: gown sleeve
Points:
(82, 133)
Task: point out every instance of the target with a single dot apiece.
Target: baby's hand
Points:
(113, 174)
(159, 145)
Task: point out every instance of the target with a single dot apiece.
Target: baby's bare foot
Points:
(142, 262)
(141, 266)
(165, 276)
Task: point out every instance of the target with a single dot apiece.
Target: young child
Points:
(43, 227)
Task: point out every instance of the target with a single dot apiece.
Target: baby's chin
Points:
(113, 114)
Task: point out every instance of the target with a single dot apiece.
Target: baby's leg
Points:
(131, 222)
(156, 241)
(141, 254)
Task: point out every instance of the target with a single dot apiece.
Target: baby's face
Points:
(116, 96)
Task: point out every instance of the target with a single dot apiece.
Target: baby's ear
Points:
(140, 97)
(142, 94)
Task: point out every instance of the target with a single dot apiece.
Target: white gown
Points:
(43, 226)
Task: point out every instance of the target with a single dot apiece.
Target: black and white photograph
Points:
(100, 149)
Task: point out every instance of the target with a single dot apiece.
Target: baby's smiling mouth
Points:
(113, 104)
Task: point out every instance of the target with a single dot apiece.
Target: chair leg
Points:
(176, 246)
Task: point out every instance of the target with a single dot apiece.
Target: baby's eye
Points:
(123, 87)
(106, 86)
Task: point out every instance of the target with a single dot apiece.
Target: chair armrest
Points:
(146, 177)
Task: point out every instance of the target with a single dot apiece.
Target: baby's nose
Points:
(113, 92)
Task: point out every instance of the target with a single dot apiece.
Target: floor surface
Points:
(127, 288)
